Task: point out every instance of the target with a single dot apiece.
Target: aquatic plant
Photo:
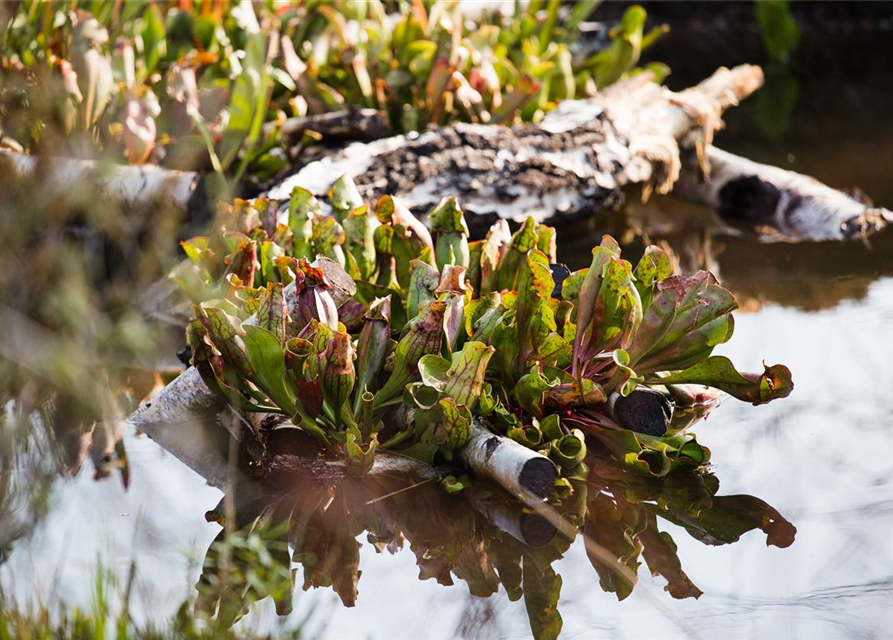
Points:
(392, 319)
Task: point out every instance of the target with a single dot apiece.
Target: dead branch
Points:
(779, 204)
(575, 162)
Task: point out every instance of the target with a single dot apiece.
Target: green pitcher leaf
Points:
(465, 377)
(266, 357)
(719, 372)
(530, 436)
(344, 197)
(530, 392)
(328, 236)
(450, 233)
(227, 335)
(338, 373)
(302, 207)
(359, 229)
(701, 320)
(454, 430)
(523, 240)
(423, 281)
(410, 240)
(569, 450)
(434, 370)
(654, 266)
(272, 312)
(425, 336)
(535, 286)
(359, 456)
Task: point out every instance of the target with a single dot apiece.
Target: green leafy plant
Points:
(207, 85)
(487, 336)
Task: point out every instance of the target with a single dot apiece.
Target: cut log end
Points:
(521, 471)
(644, 411)
(538, 476)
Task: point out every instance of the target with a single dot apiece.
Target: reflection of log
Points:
(509, 515)
(202, 444)
(518, 469)
(576, 161)
(780, 204)
(85, 180)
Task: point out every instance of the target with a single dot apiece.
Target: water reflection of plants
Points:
(481, 537)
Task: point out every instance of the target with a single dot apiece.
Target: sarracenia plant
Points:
(451, 331)
(208, 85)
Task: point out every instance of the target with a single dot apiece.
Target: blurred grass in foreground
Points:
(105, 619)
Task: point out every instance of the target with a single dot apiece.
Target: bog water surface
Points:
(820, 458)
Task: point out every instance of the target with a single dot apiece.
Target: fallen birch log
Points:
(779, 204)
(131, 186)
(576, 161)
(521, 471)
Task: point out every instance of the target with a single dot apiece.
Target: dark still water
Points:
(818, 461)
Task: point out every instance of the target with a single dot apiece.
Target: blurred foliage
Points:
(190, 84)
(776, 102)
(79, 352)
(780, 32)
(109, 617)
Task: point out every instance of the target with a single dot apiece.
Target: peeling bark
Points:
(576, 161)
(779, 204)
(521, 471)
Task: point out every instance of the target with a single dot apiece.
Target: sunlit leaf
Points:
(719, 372)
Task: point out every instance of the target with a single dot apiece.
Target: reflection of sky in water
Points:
(819, 457)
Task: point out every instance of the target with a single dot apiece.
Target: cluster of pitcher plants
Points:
(435, 334)
(207, 85)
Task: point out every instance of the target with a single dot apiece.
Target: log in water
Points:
(521, 471)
